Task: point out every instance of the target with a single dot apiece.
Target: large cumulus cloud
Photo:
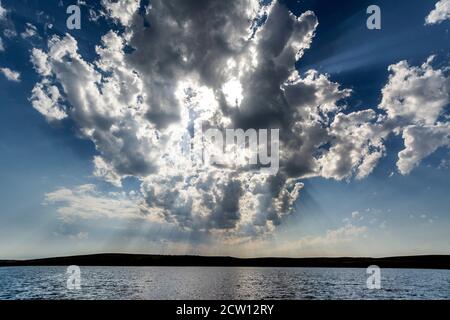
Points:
(230, 64)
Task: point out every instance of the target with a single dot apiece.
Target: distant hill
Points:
(108, 259)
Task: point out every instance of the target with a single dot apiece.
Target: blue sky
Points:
(385, 213)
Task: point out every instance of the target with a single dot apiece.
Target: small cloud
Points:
(356, 215)
(30, 31)
(93, 15)
(2, 47)
(79, 236)
(345, 234)
(10, 33)
(10, 74)
(445, 164)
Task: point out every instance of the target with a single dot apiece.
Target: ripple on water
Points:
(221, 283)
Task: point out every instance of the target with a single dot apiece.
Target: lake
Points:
(219, 283)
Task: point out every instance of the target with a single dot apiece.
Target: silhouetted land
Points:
(419, 262)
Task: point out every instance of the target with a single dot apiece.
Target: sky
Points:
(93, 122)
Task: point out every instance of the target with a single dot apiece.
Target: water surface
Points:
(221, 283)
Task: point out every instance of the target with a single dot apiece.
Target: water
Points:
(221, 283)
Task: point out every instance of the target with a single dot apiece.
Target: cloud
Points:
(105, 171)
(224, 64)
(46, 99)
(415, 100)
(3, 12)
(79, 236)
(445, 164)
(440, 13)
(124, 212)
(356, 215)
(6, 24)
(356, 147)
(329, 242)
(121, 10)
(415, 95)
(246, 205)
(11, 75)
(420, 142)
(10, 33)
(2, 47)
(86, 202)
(344, 234)
(40, 63)
(30, 31)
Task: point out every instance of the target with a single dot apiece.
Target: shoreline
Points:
(142, 260)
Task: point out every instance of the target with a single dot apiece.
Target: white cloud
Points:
(415, 95)
(440, 13)
(330, 239)
(2, 47)
(356, 148)
(46, 99)
(105, 171)
(125, 212)
(11, 75)
(356, 215)
(30, 31)
(420, 142)
(6, 24)
(347, 233)
(79, 236)
(121, 10)
(415, 99)
(445, 164)
(40, 63)
(2, 12)
(86, 202)
(9, 33)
